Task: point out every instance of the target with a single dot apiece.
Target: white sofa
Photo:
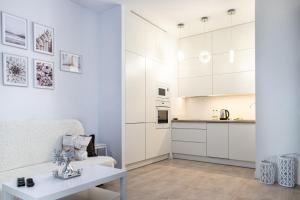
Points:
(26, 147)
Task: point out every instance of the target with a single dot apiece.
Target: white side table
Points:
(101, 147)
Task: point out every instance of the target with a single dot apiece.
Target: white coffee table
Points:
(49, 188)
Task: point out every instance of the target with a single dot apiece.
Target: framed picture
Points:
(15, 70)
(70, 62)
(43, 39)
(14, 31)
(43, 74)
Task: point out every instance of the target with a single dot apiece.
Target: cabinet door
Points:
(135, 34)
(189, 148)
(135, 88)
(217, 140)
(236, 83)
(243, 36)
(242, 142)
(221, 40)
(192, 67)
(244, 60)
(193, 46)
(135, 143)
(195, 86)
(158, 141)
(156, 74)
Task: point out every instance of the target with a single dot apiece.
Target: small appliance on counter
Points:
(224, 114)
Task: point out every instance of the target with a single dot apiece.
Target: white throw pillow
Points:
(78, 144)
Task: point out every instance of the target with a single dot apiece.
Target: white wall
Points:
(202, 107)
(76, 30)
(110, 82)
(277, 77)
(93, 97)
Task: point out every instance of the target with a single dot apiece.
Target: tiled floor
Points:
(189, 180)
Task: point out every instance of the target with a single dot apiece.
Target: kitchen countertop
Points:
(214, 121)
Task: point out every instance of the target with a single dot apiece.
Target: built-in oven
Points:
(162, 114)
(162, 91)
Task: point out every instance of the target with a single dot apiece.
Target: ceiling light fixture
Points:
(204, 56)
(180, 53)
(231, 12)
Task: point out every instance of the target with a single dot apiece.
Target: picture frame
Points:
(14, 31)
(15, 70)
(70, 62)
(43, 74)
(43, 39)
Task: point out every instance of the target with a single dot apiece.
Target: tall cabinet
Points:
(145, 66)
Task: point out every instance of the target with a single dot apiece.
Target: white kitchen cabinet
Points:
(221, 40)
(189, 148)
(189, 135)
(242, 142)
(189, 125)
(243, 36)
(192, 67)
(135, 34)
(217, 140)
(135, 139)
(244, 60)
(193, 46)
(158, 141)
(156, 74)
(135, 88)
(235, 83)
(195, 86)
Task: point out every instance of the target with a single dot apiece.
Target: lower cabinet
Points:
(225, 140)
(242, 139)
(135, 138)
(158, 141)
(189, 148)
(217, 140)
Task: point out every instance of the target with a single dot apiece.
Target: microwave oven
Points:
(162, 92)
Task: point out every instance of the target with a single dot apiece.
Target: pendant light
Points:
(204, 56)
(180, 53)
(231, 12)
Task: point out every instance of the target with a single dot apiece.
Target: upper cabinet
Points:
(135, 35)
(193, 46)
(243, 37)
(239, 37)
(244, 60)
(144, 39)
(226, 67)
(221, 41)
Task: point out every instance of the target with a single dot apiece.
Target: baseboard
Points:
(147, 162)
(215, 160)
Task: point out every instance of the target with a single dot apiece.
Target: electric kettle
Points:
(224, 114)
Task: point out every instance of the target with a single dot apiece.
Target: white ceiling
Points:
(96, 5)
(168, 13)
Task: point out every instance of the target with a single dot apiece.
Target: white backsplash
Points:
(202, 107)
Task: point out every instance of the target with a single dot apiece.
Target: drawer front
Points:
(189, 148)
(186, 125)
(189, 135)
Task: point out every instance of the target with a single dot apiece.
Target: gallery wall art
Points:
(70, 62)
(15, 70)
(14, 31)
(43, 39)
(43, 74)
